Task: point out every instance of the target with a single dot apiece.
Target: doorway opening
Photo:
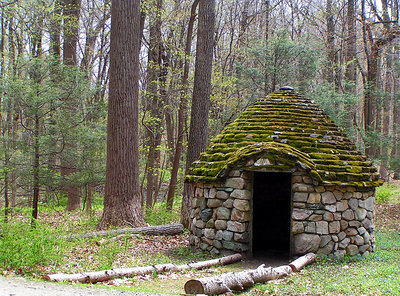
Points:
(271, 214)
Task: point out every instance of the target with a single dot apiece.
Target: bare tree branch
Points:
(4, 4)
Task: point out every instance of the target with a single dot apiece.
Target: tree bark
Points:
(71, 12)
(182, 109)
(198, 134)
(351, 46)
(155, 103)
(169, 229)
(122, 198)
(106, 275)
(330, 44)
(239, 281)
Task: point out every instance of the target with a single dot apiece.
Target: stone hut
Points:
(283, 179)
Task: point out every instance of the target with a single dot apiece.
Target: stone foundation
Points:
(326, 219)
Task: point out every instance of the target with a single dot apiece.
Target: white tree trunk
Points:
(239, 281)
(105, 275)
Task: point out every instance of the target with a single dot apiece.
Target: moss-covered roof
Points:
(285, 129)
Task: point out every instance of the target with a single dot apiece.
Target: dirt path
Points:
(22, 287)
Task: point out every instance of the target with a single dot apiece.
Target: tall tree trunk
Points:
(36, 167)
(155, 104)
(330, 44)
(198, 134)
(71, 12)
(122, 198)
(267, 90)
(182, 109)
(351, 46)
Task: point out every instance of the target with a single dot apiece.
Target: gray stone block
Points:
(322, 227)
(241, 194)
(220, 224)
(328, 198)
(297, 227)
(214, 203)
(223, 213)
(236, 226)
(241, 205)
(227, 235)
(300, 196)
(334, 227)
(206, 215)
(301, 214)
(368, 204)
(222, 195)
(348, 215)
(360, 214)
(304, 243)
(237, 183)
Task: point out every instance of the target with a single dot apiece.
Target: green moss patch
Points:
(289, 130)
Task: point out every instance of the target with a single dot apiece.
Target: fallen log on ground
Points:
(169, 229)
(105, 275)
(238, 281)
(302, 261)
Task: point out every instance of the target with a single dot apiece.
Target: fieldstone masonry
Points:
(332, 186)
(326, 219)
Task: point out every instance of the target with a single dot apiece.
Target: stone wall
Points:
(325, 219)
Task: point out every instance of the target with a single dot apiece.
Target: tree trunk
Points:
(36, 166)
(106, 275)
(267, 90)
(351, 46)
(330, 44)
(182, 109)
(198, 134)
(239, 281)
(155, 103)
(122, 198)
(71, 12)
(169, 229)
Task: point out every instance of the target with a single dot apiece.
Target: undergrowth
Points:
(25, 250)
(388, 194)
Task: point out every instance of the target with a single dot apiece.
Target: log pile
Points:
(238, 281)
(169, 229)
(105, 275)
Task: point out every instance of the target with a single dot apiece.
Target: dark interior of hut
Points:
(271, 215)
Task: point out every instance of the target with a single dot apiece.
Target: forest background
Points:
(54, 61)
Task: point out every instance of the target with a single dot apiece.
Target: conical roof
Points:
(284, 130)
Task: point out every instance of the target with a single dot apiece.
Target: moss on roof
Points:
(285, 129)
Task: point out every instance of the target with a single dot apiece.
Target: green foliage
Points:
(340, 107)
(159, 214)
(387, 194)
(282, 61)
(24, 249)
(107, 254)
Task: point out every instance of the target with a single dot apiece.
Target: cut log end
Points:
(194, 287)
(305, 260)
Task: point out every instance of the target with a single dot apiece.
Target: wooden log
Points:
(169, 229)
(105, 275)
(228, 282)
(302, 261)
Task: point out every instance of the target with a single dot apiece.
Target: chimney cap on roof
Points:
(286, 88)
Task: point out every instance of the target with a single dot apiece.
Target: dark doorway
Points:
(271, 214)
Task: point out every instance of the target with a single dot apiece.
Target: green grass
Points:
(377, 274)
(388, 194)
(26, 250)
